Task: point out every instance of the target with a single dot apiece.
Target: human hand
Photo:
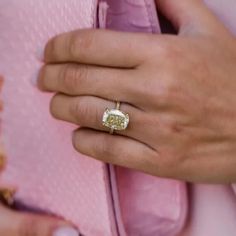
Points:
(179, 91)
(14, 223)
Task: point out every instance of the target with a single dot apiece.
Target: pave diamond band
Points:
(115, 119)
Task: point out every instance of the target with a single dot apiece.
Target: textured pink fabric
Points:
(51, 176)
(150, 205)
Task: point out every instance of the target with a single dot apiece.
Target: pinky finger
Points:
(115, 149)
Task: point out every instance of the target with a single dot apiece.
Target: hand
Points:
(180, 93)
(24, 224)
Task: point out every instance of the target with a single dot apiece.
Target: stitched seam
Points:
(149, 15)
(94, 13)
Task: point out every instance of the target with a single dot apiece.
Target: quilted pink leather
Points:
(50, 175)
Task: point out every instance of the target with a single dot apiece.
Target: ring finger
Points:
(87, 111)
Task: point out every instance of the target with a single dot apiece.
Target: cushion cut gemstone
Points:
(115, 119)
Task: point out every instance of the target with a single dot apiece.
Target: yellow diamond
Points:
(115, 119)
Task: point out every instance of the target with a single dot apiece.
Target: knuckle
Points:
(82, 74)
(71, 77)
(68, 78)
(171, 51)
(81, 42)
(105, 149)
(73, 44)
(169, 90)
(79, 110)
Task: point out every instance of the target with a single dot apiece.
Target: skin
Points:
(14, 223)
(179, 91)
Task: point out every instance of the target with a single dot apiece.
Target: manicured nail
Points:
(66, 231)
(40, 54)
(34, 79)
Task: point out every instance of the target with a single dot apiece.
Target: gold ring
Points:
(115, 119)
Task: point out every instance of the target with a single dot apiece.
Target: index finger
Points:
(97, 47)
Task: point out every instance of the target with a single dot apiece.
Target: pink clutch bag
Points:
(50, 176)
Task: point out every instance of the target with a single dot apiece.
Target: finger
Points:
(72, 79)
(115, 149)
(88, 112)
(22, 224)
(188, 15)
(99, 47)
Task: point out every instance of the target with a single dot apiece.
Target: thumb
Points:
(22, 224)
(189, 16)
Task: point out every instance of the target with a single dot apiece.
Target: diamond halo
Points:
(115, 119)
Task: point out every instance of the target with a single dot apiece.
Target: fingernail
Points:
(66, 231)
(34, 78)
(40, 54)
